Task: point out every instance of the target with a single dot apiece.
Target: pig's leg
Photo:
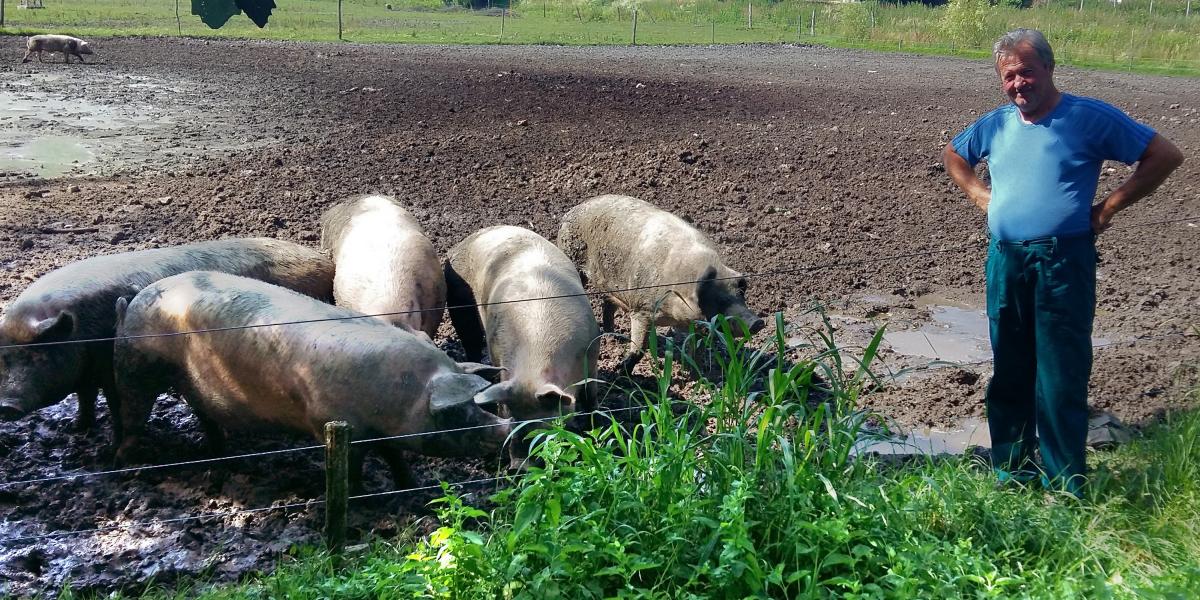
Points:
(639, 326)
(465, 319)
(26, 58)
(136, 400)
(358, 455)
(214, 436)
(86, 417)
(402, 476)
(608, 310)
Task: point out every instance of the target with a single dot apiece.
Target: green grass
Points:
(754, 493)
(1126, 37)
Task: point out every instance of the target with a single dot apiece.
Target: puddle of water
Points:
(955, 334)
(47, 156)
(931, 441)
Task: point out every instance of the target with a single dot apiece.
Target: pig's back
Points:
(89, 288)
(621, 241)
(384, 262)
(265, 367)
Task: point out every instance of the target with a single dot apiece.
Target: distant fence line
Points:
(1134, 33)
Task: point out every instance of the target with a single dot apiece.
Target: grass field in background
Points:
(1136, 35)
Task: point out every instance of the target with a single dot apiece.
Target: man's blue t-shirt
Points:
(1044, 175)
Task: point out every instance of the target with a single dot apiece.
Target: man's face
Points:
(1026, 81)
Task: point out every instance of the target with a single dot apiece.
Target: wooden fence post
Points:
(635, 16)
(178, 25)
(749, 14)
(337, 483)
(812, 23)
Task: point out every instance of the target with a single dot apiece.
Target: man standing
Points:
(1044, 153)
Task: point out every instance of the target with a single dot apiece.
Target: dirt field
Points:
(789, 157)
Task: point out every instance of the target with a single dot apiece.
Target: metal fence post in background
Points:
(749, 14)
(178, 26)
(812, 23)
(337, 482)
(339, 19)
(503, 16)
(2, 13)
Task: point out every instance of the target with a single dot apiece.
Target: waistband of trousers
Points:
(1050, 240)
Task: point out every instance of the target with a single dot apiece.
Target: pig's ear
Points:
(453, 389)
(54, 329)
(552, 396)
(487, 372)
(499, 393)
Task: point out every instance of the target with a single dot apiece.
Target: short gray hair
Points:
(1016, 37)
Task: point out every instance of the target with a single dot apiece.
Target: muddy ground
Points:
(789, 157)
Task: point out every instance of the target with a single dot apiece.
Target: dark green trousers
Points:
(1041, 298)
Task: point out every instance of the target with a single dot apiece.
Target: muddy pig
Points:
(76, 302)
(547, 347)
(619, 242)
(382, 380)
(51, 42)
(384, 263)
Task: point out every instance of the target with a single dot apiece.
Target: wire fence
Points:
(600, 293)
(312, 503)
(608, 412)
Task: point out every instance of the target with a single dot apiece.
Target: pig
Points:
(548, 348)
(382, 380)
(75, 303)
(621, 242)
(51, 42)
(384, 263)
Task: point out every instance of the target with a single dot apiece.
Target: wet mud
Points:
(816, 163)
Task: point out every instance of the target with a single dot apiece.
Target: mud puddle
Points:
(954, 334)
(52, 125)
(929, 441)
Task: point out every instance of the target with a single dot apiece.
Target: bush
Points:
(965, 22)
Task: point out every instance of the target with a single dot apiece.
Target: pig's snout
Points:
(757, 325)
(752, 321)
(11, 410)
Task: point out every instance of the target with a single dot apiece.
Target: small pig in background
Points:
(52, 42)
(384, 263)
(621, 242)
(75, 303)
(548, 348)
(382, 380)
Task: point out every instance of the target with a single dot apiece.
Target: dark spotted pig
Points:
(76, 302)
(620, 242)
(52, 42)
(382, 380)
(547, 347)
(384, 263)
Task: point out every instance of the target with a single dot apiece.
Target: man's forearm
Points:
(963, 175)
(1159, 161)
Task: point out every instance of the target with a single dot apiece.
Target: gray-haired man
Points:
(1044, 152)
